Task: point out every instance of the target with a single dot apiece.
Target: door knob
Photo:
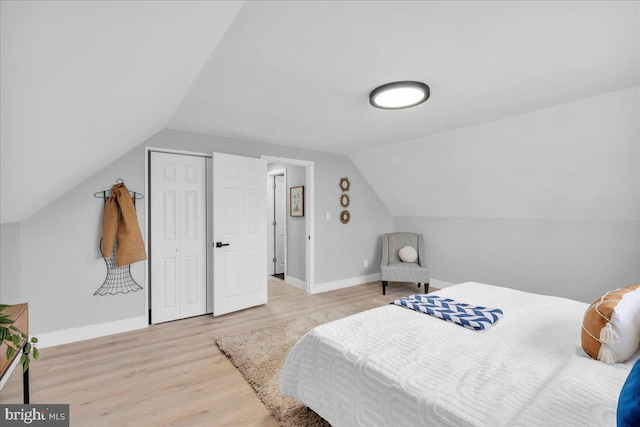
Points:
(220, 244)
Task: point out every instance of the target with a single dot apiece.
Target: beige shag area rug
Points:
(259, 355)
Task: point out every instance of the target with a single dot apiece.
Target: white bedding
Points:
(391, 366)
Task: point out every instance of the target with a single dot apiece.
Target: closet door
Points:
(239, 233)
(178, 236)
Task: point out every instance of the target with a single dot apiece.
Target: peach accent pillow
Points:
(611, 326)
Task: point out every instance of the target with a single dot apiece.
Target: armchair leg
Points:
(384, 287)
(426, 288)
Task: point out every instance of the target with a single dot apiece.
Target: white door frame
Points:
(310, 193)
(147, 208)
(308, 165)
(273, 173)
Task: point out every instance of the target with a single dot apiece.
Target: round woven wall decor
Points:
(345, 200)
(345, 216)
(345, 184)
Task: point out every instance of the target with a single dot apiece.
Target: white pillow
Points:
(611, 326)
(408, 254)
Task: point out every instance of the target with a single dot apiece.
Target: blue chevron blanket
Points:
(469, 316)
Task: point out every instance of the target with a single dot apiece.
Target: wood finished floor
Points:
(172, 373)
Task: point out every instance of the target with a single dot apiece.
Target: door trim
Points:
(310, 193)
(273, 173)
(147, 208)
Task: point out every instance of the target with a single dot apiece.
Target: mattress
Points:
(392, 366)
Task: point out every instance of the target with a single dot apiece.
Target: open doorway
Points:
(290, 246)
(287, 227)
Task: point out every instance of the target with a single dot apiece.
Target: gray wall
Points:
(10, 263)
(339, 249)
(577, 259)
(61, 266)
(296, 226)
(547, 201)
(61, 262)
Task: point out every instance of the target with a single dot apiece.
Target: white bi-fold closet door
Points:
(178, 223)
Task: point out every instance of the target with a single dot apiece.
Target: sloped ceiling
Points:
(579, 160)
(300, 73)
(83, 82)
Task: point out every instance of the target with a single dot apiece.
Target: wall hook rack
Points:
(105, 194)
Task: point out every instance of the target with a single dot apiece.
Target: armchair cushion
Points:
(404, 272)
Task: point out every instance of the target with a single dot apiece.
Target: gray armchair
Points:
(393, 269)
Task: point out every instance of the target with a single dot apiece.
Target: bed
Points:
(392, 366)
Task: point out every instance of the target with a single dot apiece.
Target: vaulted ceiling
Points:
(83, 82)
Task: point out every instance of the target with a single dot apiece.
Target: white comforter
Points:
(391, 366)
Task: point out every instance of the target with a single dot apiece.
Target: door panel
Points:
(190, 268)
(165, 227)
(230, 278)
(178, 236)
(231, 211)
(239, 221)
(193, 237)
(254, 215)
(191, 214)
(169, 220)
(169, 281)
(253, 281)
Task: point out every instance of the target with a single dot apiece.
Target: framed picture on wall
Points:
(296, 201)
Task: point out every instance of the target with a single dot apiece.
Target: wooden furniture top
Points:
(19, 313)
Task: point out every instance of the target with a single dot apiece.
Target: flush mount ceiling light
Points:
(397, 95)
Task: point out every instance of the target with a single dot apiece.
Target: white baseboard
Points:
(359, 280)
(440, 284)
(296, 282)
(344, 283)
(82, 333)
